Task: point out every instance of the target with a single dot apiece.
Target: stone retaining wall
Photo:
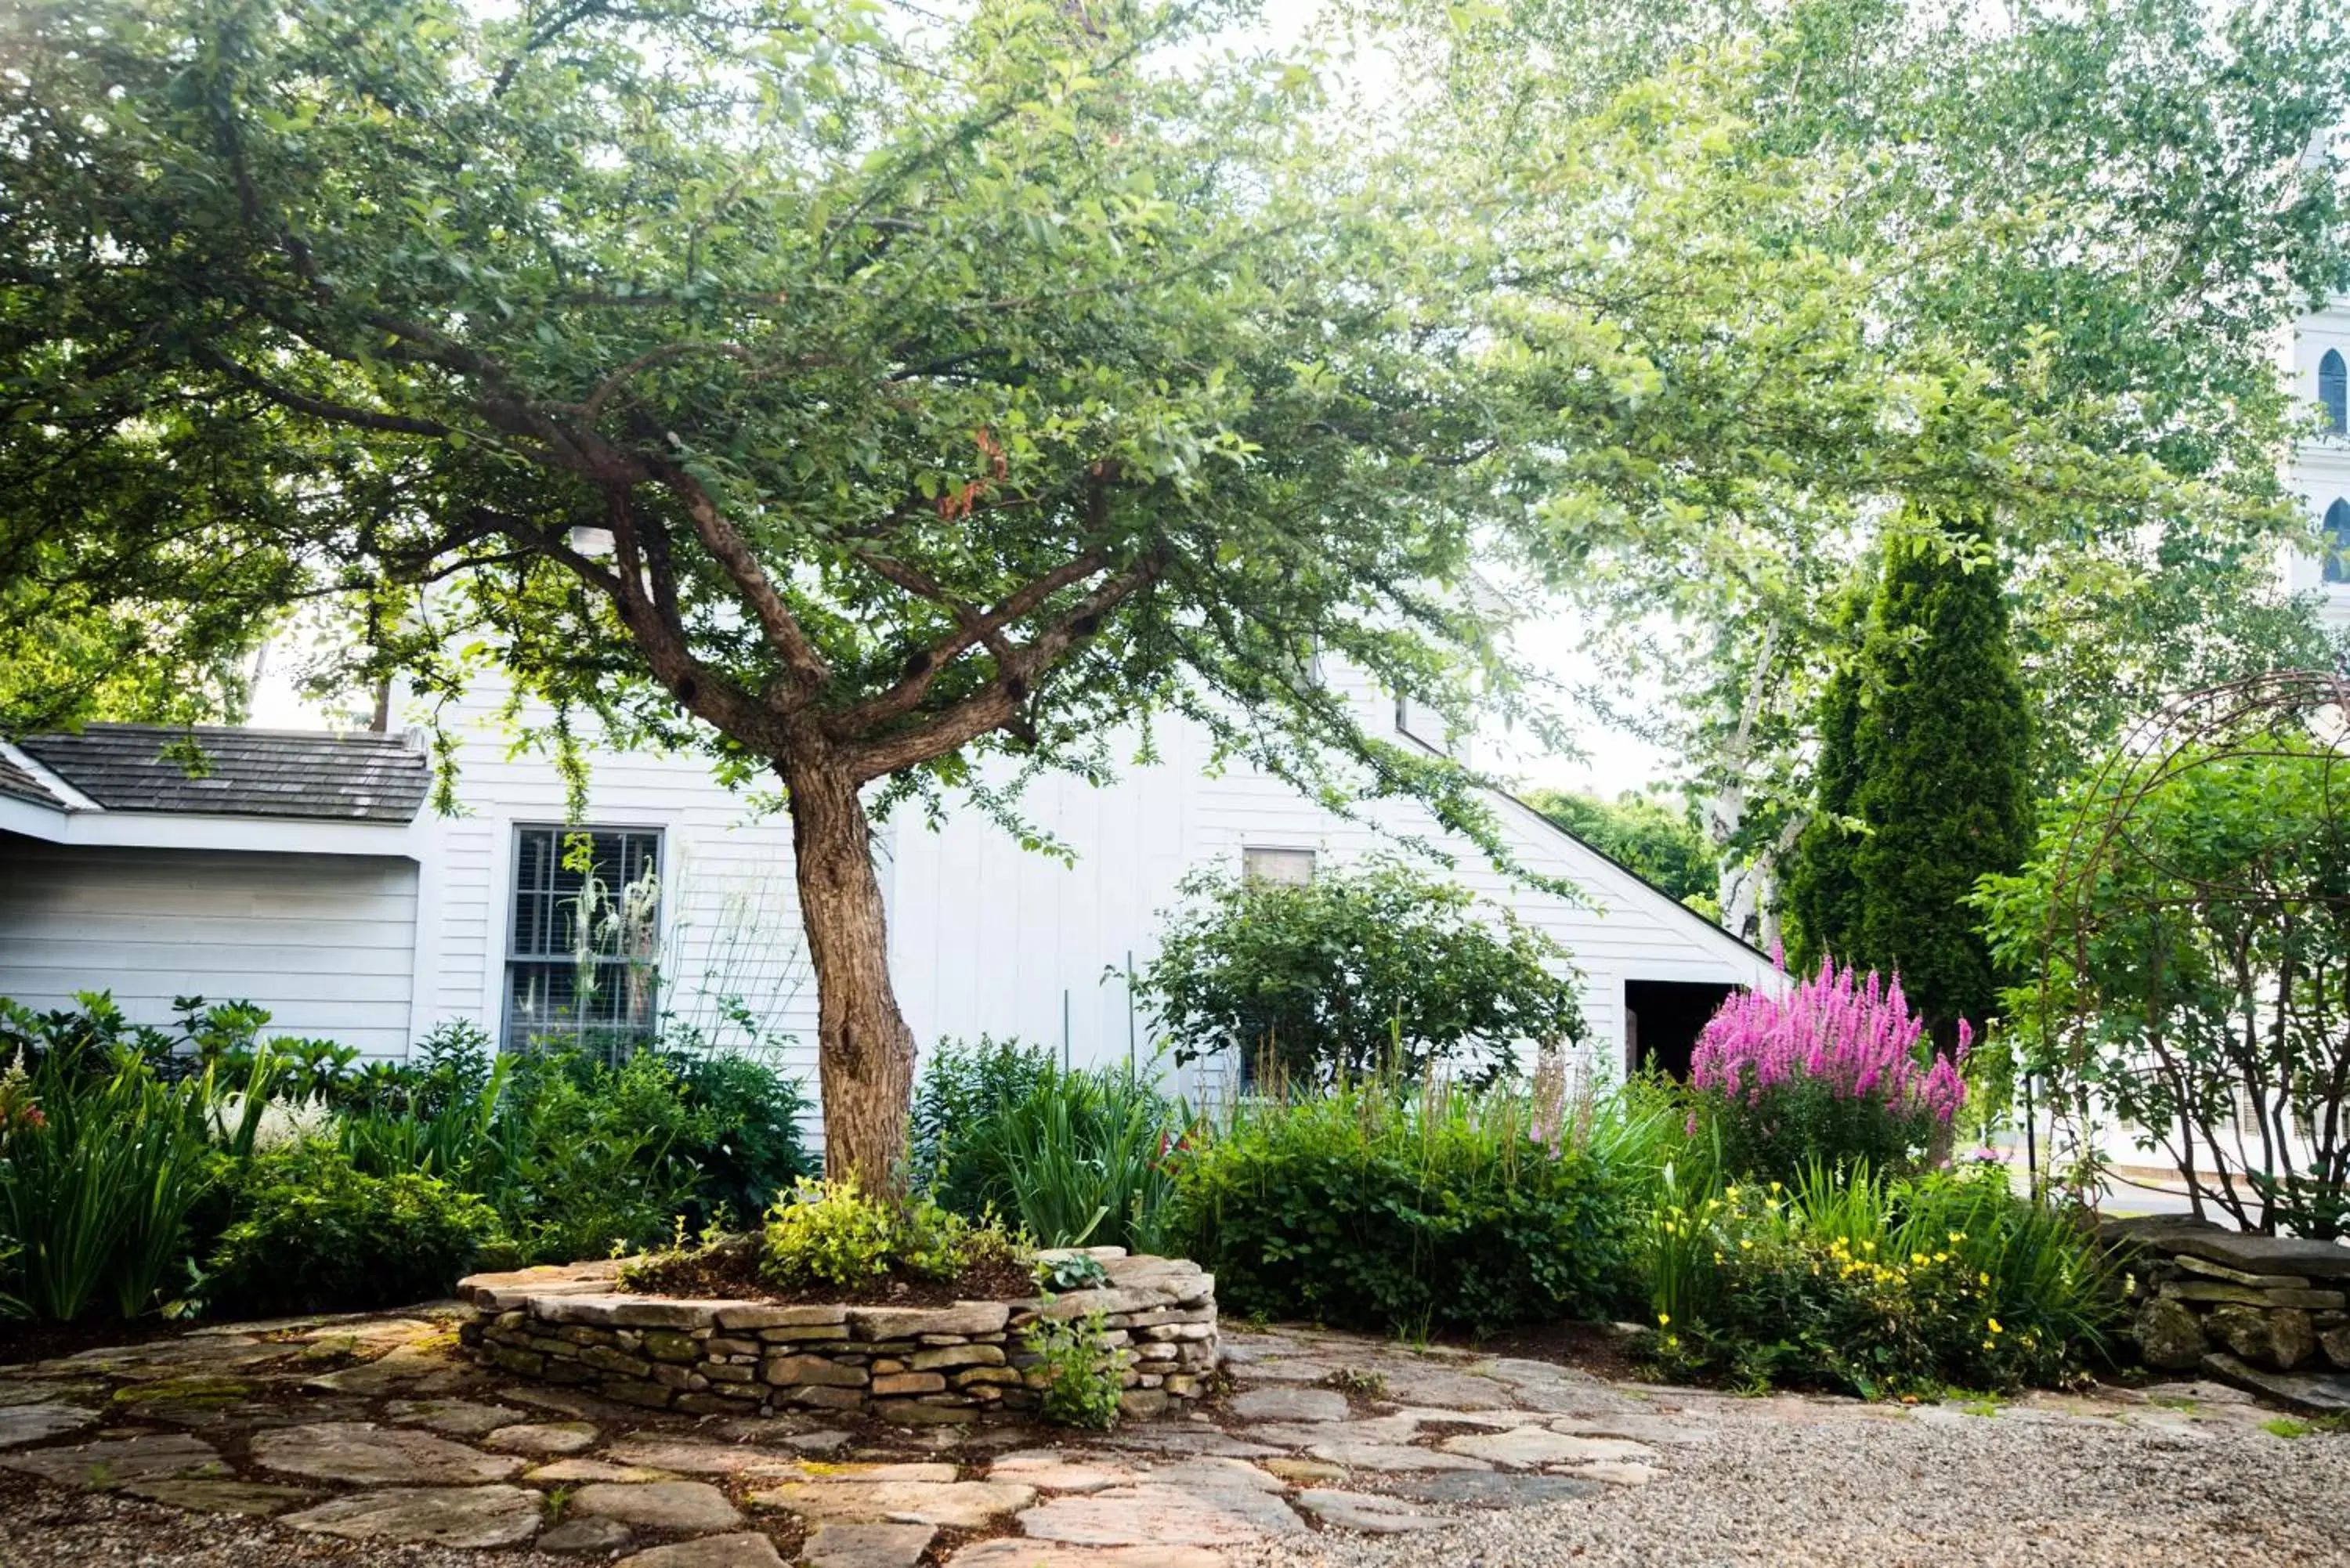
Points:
(913, 1365)
(2235, 1305)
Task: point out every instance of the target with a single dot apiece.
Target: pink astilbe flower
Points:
(1856, 1037)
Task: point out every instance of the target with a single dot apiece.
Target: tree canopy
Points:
(1655, 835)
(856, 393)
(2105, 210)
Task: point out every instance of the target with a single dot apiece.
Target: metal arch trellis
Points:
(2301, 715)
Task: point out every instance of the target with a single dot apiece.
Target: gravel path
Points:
(1846, 1485)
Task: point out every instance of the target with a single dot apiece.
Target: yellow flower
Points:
(1663, 1318)
(1746, 1246)
(1983, 1279)
(1993, 1324)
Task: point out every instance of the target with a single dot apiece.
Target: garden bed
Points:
(917, 1363)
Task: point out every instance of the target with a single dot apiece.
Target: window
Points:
(580, 957)
(2333, 390)
(1289, 868)
(2337, 542)
(1422, 724)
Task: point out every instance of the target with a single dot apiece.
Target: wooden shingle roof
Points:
(222, 770)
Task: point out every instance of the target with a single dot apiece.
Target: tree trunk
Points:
(865, 1052)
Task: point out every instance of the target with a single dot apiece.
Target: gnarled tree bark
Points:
(865, 1051)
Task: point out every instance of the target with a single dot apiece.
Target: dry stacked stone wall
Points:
(919, 1364)
(2225, 1303)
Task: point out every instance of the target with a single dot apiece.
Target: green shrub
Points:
(829, 1233)
(833, 1233)
(1081, 1375)
(577, 1155)
(961, 1088)
(1366, 968)
(742, 1134)
(1875, 1287)
(313, 1233)
(1365, 1208)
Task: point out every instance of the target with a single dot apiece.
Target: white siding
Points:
(324, 942)
(2319, 468)
(987, 938)
(729, 913)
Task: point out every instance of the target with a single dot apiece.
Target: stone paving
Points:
(376, 1430)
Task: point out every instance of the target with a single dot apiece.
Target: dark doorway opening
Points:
(1662, 1019)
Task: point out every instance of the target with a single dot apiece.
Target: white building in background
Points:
(305, 871)
(2316, 361)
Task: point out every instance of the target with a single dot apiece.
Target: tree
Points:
(1940, 779)
(859, 396)
(2181, 942)
(2110, 208)
(1822, 886)
(850, 396)
(1365, 970)
(1661, 841)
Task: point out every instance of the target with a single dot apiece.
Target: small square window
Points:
(1288, 867)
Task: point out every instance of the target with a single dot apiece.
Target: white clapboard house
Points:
(307, 872)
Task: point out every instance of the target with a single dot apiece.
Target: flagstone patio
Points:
(379, 1431)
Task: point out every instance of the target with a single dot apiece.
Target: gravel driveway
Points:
(1786, 1481)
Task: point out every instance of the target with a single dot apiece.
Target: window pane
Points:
(609, 905)
(1292, 867)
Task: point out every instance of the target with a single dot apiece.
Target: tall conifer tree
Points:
(1823, 888)
(1940, 743)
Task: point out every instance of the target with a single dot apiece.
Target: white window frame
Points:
(514, 1033)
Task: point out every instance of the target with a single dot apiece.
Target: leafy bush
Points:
(742, 1134)
(1370, 967)
(961, 1087)
(834, 1233)
(1081, 1375)
(313, 1234)
(574, 1153)
(830, 1233)
(109, 1188)
(1875, 1286)
(103, 1161)
(1365, 1207)
(1076, 1156)
(2181, 895)
(1834, 1071)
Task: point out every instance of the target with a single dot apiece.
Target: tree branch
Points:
(977, 627)
(783, 632)
(321, 408)
(1000, 704)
